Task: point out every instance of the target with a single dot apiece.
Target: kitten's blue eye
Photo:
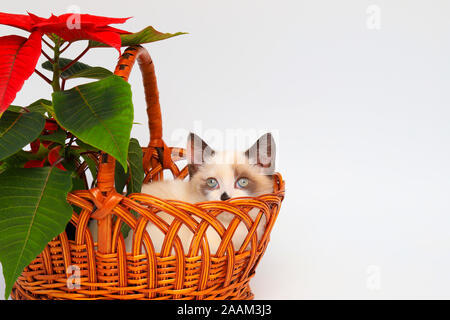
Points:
(211, 182)
(242, 182)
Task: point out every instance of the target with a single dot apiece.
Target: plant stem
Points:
(65, 48)
(48, 44)
(47, 56)
(43, 77)
(76, 59)
(56, 70)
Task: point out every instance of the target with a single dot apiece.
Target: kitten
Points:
(216, 176)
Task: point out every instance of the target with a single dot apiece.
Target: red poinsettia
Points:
(35, 163)
(53, 157)
(18, 58)
(50, 127)
(19, 55)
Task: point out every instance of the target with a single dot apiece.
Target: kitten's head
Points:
(229, 174)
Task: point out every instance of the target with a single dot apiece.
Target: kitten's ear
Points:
(262, 153)
(197, 151)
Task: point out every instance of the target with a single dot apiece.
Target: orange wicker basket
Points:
(107, 271)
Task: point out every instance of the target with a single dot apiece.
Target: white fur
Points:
(222, 166)
(189, 191)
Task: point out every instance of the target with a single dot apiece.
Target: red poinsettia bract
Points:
(53, 157)
(19, 55)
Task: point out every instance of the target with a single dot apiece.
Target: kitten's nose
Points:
(224, 196)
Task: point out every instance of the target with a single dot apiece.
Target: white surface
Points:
(362, 119)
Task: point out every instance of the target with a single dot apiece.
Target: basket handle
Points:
(105, 176)
(145, 62)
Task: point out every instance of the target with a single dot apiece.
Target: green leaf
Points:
(59, 136)
(85, 146)
(92, 165)
(78, 70)
(16, 109)
(33, 210)
(135, 159)
(135, 175)
(77, 153)
(147, 35)
(17, 130)
(41, 106)
(77, 184)
(120, 179)
(98, 113)
(20, 158)
(49, 108)
(92, 73)
(16, 160)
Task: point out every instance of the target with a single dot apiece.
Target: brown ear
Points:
(262, 153)
(197, 151)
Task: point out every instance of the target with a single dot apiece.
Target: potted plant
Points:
(47, 147)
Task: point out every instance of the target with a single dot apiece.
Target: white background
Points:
(362, 122)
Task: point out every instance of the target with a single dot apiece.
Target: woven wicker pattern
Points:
(107, 271)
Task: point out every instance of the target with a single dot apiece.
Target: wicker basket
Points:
(107, 271)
